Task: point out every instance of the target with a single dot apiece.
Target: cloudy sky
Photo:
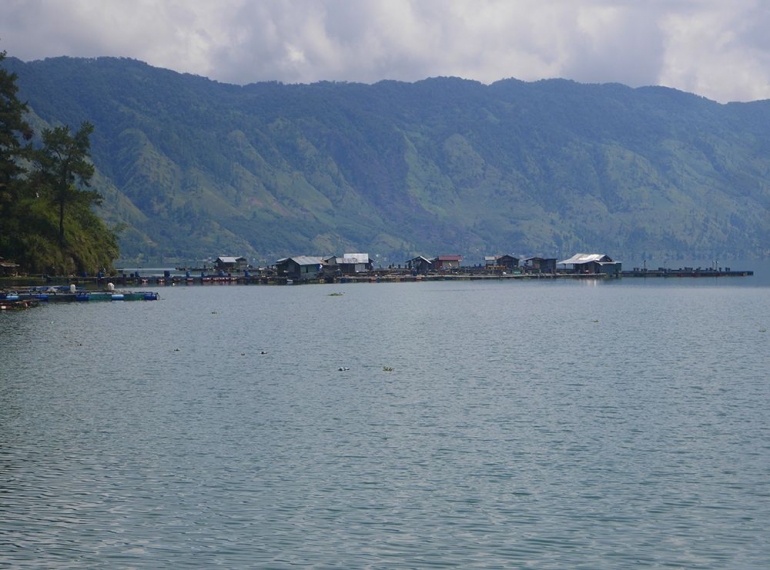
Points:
(716, 48)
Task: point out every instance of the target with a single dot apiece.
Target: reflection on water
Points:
(548, 425)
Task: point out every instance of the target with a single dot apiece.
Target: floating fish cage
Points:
(52, 295)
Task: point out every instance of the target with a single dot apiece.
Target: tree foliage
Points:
(14, 132)
(63, 169)
(47, 222)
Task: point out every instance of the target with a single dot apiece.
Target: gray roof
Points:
(304, 260)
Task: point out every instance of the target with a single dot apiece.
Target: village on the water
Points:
(359, 267)
(347, 268)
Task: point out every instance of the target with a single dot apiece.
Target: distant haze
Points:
(714, 48)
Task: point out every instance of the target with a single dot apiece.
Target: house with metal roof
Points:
(300, 268)
(229, 263)
(347, 264)
(593, 263)
(351, 263)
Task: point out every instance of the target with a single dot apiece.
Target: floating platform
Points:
(67, 295)
(685, 272)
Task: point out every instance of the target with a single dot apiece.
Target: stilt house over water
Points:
(593, 263)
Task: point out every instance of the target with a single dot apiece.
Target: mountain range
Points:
(191, 168)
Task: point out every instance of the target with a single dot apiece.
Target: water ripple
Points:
(473, 425)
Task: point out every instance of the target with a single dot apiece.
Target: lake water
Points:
(523, 425)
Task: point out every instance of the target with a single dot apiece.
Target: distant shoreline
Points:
(380, 276)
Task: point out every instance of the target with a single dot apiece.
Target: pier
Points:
(686, 272)
(58, 289)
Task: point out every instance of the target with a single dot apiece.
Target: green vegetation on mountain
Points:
(46, 221)
(192, 168)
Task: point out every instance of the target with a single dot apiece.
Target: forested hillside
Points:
(190, 168)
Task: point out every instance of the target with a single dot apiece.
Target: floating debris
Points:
(343, 369)
(387, 369)
(336, 294)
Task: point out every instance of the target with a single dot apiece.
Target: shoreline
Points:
(382, 276)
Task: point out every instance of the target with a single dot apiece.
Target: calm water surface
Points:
(523, 425)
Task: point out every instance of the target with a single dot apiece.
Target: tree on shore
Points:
(63, 169)
(15, 133)
(47, 222)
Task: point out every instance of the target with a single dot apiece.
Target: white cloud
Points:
(723, 53)
(714, 48)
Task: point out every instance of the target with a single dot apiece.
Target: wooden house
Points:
(227, 263)
(507, 262)
(539, 264)
(351, 263)
(444, 262)
(300, 268)
(419, 264)
(348, 264)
